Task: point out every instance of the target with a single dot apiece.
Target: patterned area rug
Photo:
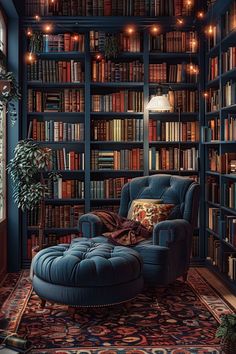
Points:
(181, 318)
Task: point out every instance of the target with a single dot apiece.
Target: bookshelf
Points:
(108, 159)
(219, 141)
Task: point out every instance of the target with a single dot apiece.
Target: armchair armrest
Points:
(90, 225)
(170, 231)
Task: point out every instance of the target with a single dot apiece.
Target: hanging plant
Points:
(111, 45)
(9, 94)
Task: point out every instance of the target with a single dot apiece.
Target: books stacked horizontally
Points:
(173, 159)
(117, 160)
(117, 130)
(108, 188)
(67, 100)
(173, 131)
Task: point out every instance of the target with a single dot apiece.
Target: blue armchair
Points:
(166, 255)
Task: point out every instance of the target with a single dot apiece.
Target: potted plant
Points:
(227, 333)
(26, 169)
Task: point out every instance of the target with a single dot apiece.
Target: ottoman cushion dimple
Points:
(87, 265)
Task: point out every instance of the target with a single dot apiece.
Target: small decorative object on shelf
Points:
(227, 333)
(26, 170)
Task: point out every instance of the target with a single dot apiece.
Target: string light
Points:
(98, 57)
(37, 18)
(210, 30)
(47, 28)
(30, 57)
(29, 32)
(76, 37)
(130, 29)
(200, 15)
(155, 29)
(205, 94)
(180, 21)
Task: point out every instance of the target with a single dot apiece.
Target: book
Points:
(229, 59)
(174, 42)
(173, 73)
(230, 128)
(212, 190)
(124, 159)
(213, 68)
(229, 93)
(108, 188)
(64, 189)
(121, 101)
(64, 160)
(214, 219)
(173, 131)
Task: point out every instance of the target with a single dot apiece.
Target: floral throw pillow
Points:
(149, 214)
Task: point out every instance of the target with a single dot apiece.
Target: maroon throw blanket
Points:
(122, 231)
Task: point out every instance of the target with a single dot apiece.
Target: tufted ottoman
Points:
(87, 273)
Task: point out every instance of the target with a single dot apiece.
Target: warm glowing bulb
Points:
(155, 29)
(30, 57)
(47, 28)
(205, 94)
(191, 67)
(37, 18)
(180, 21)
(52, 1)
(200, 14)
(189, 2)
(130, 30)
(98, 56)
(29, 32)
(210, 30)
(76, 37)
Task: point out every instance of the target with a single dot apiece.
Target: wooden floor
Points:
(216, 283)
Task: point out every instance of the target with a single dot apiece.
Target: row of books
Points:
(213, 68)
(63, 160)
(65, 189)
(225, 261)
(176, 73)
(67, 100)
(230, 229)
(173, 131)
(126, 43)
(212, 131)
(186, 100)
(212, 190)
(127, 159)
(229, 93)
(117, 130)
(214, 219)
(54, 43)
(108, 8)
(224, 163)
(108, 71)
(123, 101)
(55, 131)
(57, 216)
(230, 128)
(229, 194)
(53, 71)
(229, 59)
(174, 42)
(229, 19)
(213, 100)
(49, 240)
(108, 188)
(173, 159)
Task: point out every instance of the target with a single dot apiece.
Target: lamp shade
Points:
(159, 103)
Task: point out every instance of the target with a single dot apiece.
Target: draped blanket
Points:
(120, 230)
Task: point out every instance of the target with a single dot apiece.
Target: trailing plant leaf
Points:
(111, 46)
(227, 328)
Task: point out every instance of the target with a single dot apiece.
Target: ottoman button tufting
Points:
(87, 273)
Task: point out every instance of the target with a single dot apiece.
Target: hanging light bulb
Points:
(130, 30)
(210, 30)
(29, 32)
(30, 57)
(180, 21)
(155, 29)
(205, 94)
(37, 18)
(98, 57)
(47, 28)
(200, 15)
(76, 37)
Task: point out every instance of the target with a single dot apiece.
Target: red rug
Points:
(181, 318)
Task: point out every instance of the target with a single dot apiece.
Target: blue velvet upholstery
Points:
(166, 255)
(87, 273)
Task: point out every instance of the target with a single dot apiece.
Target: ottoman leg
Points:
(72, 311)
(43, 303)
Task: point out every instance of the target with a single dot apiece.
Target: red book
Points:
(107, 7)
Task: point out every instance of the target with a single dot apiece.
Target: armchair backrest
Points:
(177, 190)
